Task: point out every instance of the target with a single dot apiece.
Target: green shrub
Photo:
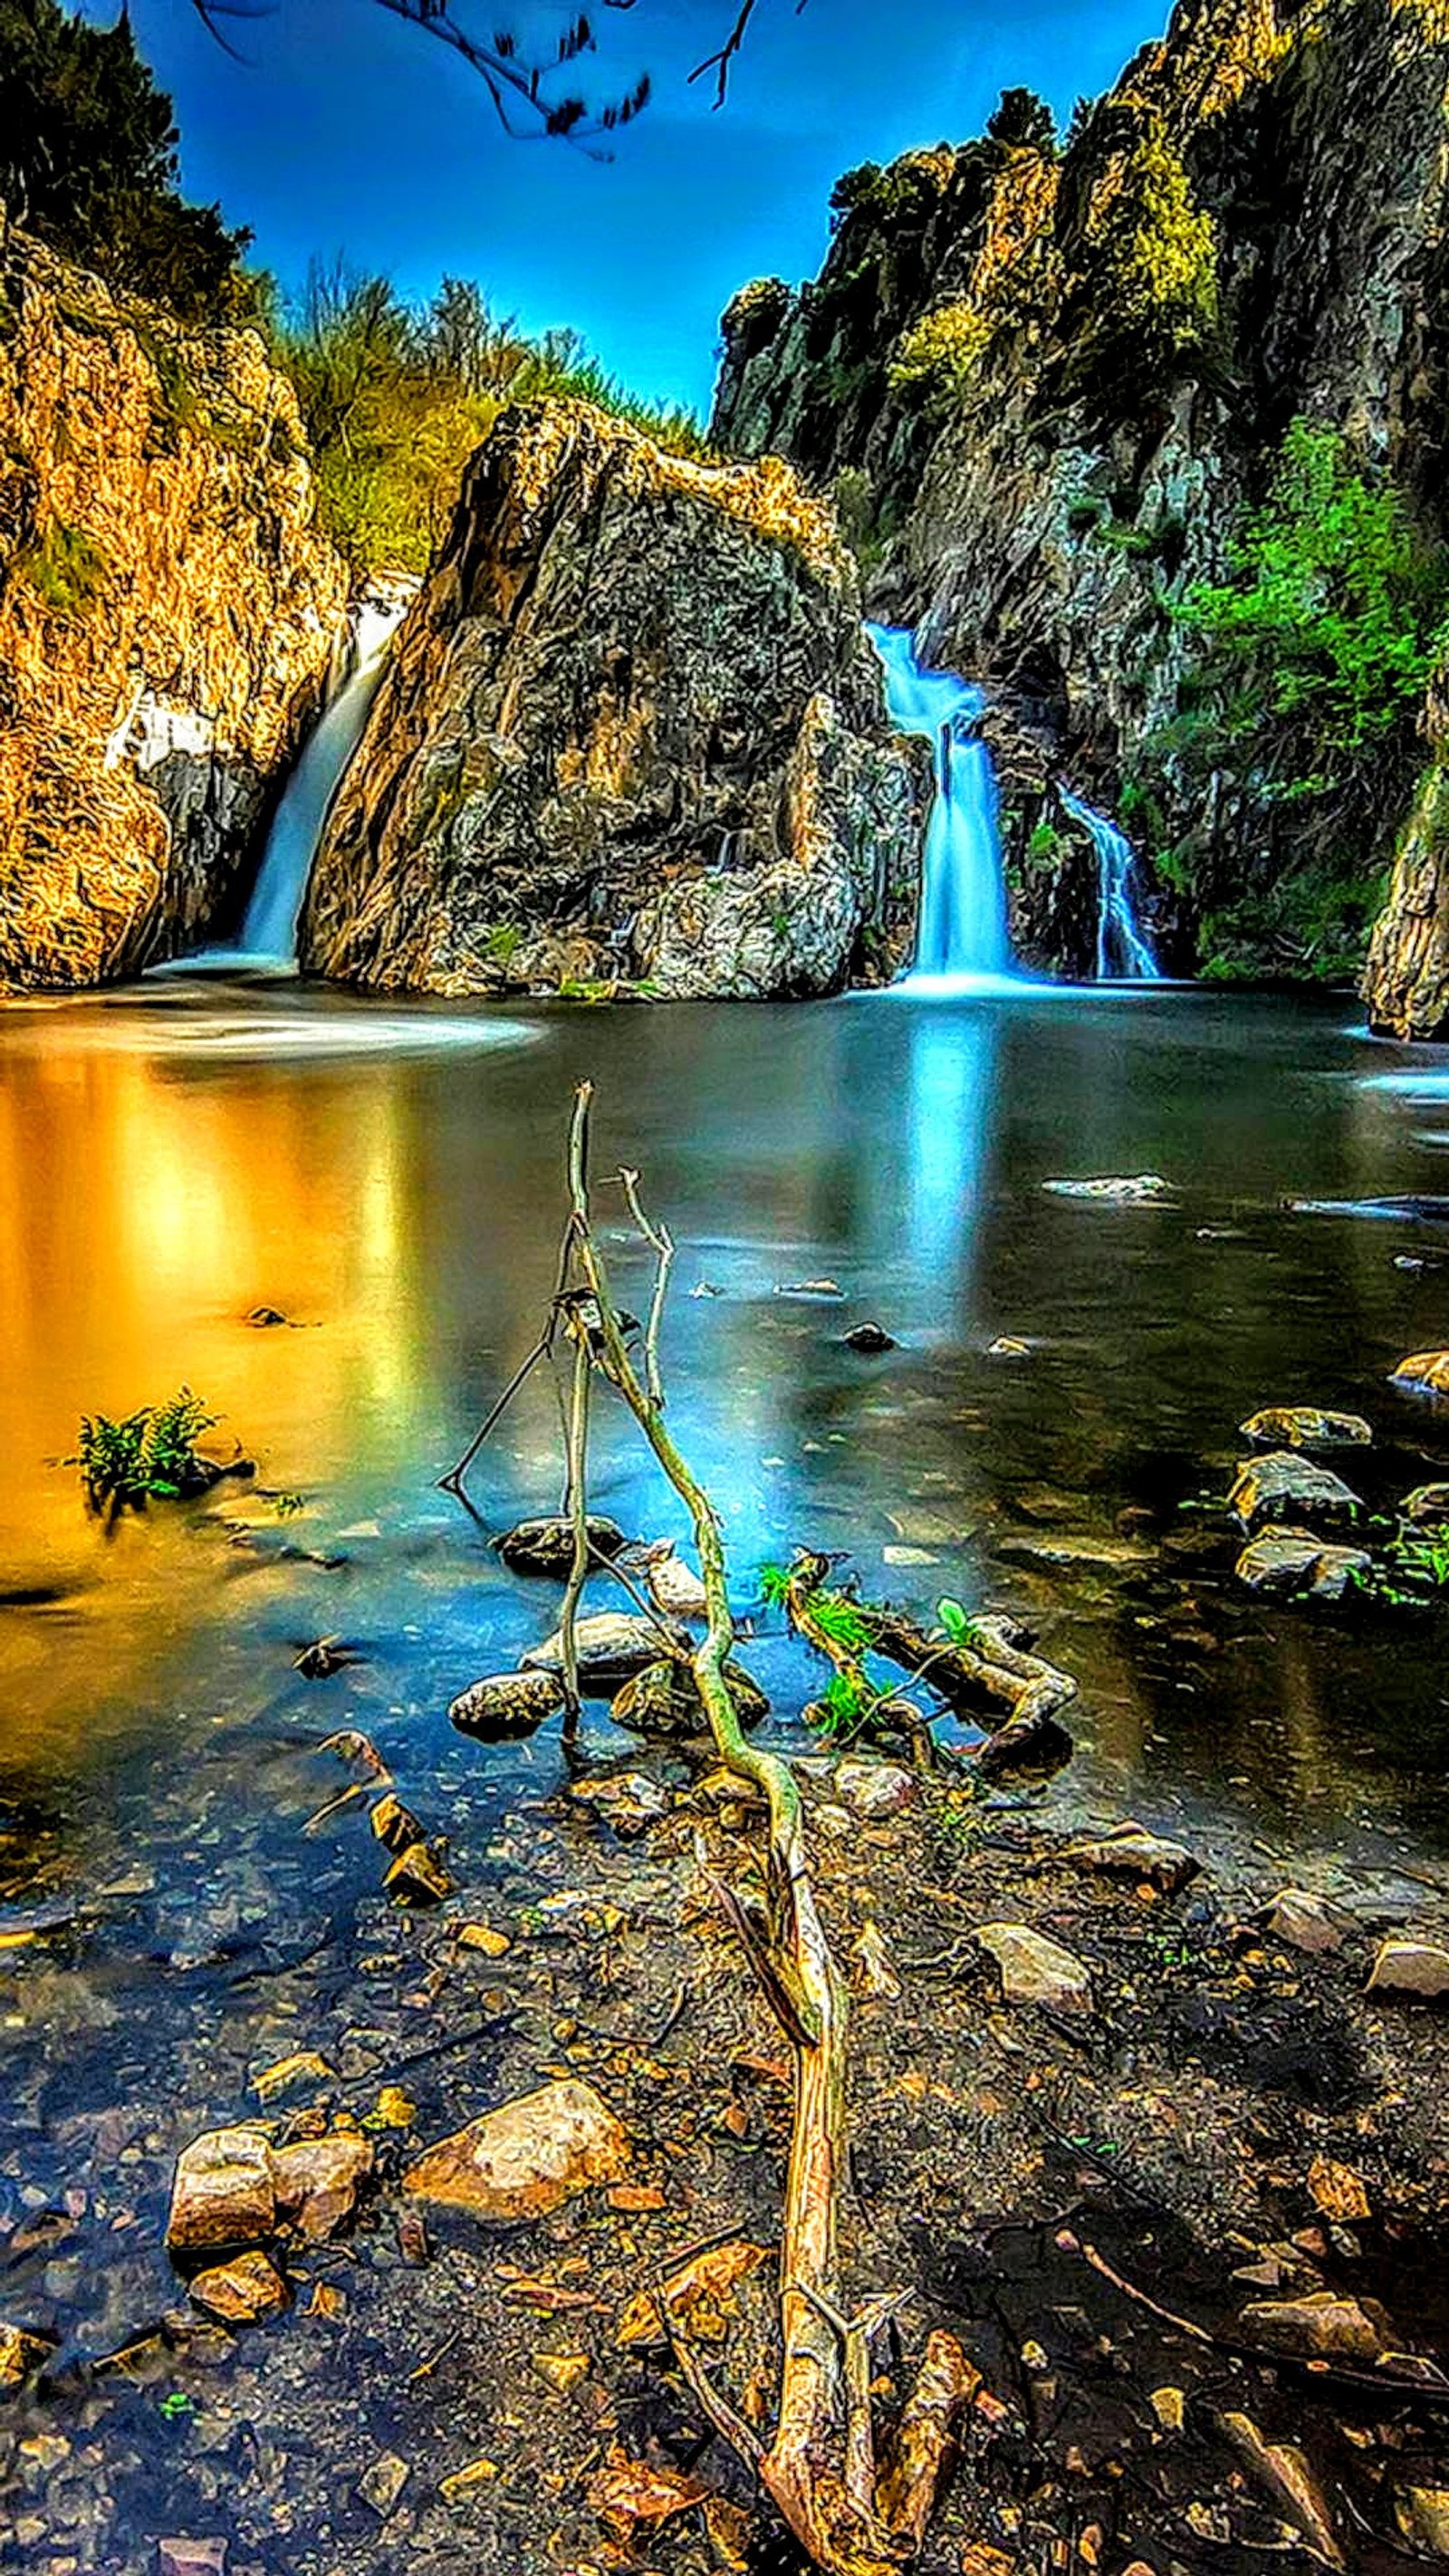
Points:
(65, 568)
(937, 359)
(1333, 614)
(146, 1456)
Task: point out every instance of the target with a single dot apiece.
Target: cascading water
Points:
(1123, 947)
(963, 930)
(269, 932)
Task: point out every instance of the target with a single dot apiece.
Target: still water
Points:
(390, 1180)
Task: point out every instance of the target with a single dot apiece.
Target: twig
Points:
(662, 1243)
(425, 2369)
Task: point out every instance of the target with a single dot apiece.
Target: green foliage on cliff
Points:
(938, 357)
(1334, 612)
(395, 397)
(1150, 256)
(64, 568)
(88, 163)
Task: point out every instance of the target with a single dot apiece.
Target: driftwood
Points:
(819, 2467)
(986, 1675)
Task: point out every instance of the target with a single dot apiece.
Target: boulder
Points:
(318, 2180)
(1036, 1969)
(223, 2195)
(674, 1587)
(1304, 1567)
(1423, 1373)
(664, 1701)
(612, 1646)
(242, 2292)
(506, 1707)
(547, 1546)
(526, 2158)
(1305, 1921)
(1303, 1426)
(1406, 1966)
(1131, 1852)
(631, 728)
(1288, 1489)
(871, 1338)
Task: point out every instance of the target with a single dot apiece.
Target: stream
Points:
(388, 1180)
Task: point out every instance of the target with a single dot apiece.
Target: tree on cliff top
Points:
(88, 162)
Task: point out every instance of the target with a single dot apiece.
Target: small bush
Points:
(147, 1456)
(937, 359)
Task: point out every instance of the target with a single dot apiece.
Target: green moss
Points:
(66, 569)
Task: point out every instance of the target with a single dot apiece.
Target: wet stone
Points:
(869, 1338)
(382, 2483)
(628, 1800)
(318, 2181)
(191, 2557)
(505, 1707)
(674, 1587)
(21, 2353)
(547, 1546)
(874, 1788)
(1035, 1969)
(1305, 1568)
(1305, 1921)
(1131, 1851)
(418, 1876)
(302, 2073)
(1287, 1488)
(1322, 2327)
(1136, 1191)
(612, 1647)
(1423, 1373)
(222, 2195)
(1422, 2514)
(1406, 1966)
(1304, 1426)
(244, 2292)
(1427, 1506)
(526, 2158)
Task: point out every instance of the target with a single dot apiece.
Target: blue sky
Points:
(353, 133)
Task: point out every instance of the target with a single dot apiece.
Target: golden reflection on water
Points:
(143, 1215)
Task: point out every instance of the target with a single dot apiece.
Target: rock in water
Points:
(505, 1707)
(1297, 1563)
(674, 1587)
(1321, 2327)
(632, 716)
(1285, 1487)
(1303, 1426)
(1036, 1969)
(1424, 1373)
(21, 2352)
(612, 1647)
(318, 2180)
(526, 2158)
(1131, 1852)
(547, 1546)
(664, 1701)
(243, 2292)
(223, 2194)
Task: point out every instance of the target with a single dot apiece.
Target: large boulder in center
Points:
(631, 733)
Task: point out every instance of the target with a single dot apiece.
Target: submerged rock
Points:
(869, 1338)
(526, 2158)
(1287, 1488)
(628, 1800)
(1035, 1969)
(1303, 1426)
(505, 1707)
(1295, 1562)
(1322, 2327)
(612, 1647)
(631, 717)
(222, 2194)
(243, 2292)
(318, 2181)
(547, 1546)
(1132, 1192)
(22, 2352)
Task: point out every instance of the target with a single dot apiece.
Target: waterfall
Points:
(1123, 947)
(269, 932)
(963, 883)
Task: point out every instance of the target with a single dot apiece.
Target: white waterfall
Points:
(1123, 947)
(963, 930)
(269, 932)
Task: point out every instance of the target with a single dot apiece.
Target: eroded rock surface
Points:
(631, 730)
(168, 615)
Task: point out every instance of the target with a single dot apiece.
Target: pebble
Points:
(382, 2483)
(1423, 1373)
(1035, 1969)
(1322, 2326)
(244, 2292)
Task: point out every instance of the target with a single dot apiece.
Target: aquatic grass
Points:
(146, 1456)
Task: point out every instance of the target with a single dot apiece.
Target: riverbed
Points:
(1052, 1435)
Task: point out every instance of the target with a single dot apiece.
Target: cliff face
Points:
(1407, 983)
(630, 732)
(1046, 383)
(168, 615)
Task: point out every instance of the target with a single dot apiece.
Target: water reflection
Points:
(950, 1130)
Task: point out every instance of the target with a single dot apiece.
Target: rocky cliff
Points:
(1051, 382)
(630, 735)
(1407, 983)
(168, 616)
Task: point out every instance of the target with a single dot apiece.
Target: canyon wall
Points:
(169, 614)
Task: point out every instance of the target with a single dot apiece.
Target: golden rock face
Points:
(167, 620)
